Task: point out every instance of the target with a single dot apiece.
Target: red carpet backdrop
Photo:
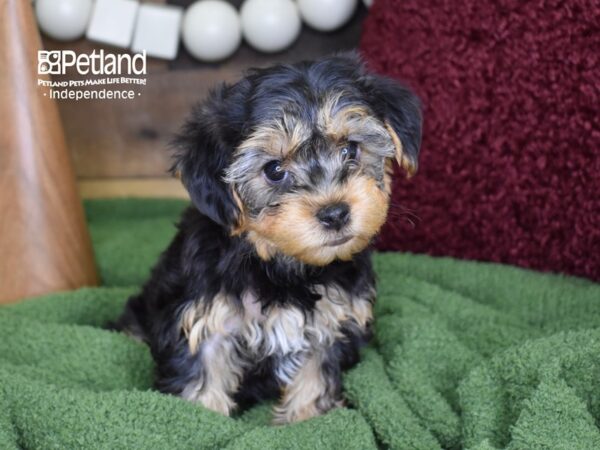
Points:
(510, 162)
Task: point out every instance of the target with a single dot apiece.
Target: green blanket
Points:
(466, 355)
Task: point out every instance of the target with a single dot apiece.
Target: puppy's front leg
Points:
(220, 376)
(314, 389)
(213, 344)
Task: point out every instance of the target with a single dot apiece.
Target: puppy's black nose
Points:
(334, 217)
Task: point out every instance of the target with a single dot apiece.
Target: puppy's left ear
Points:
(401, 112)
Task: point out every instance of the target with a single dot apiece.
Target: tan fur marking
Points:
(369, 206)
(280, 138)
(241, 219)
(264, 248)
(188, 317)
(284, 331)
(213, 328)
(222, 374)
(401, 158)
(350, 120)
(306, 396)
(362, 312)
(198, 322)
(335, 307)
(325, 115)
(387, 177)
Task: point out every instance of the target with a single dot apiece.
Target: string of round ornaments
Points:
(212, 30)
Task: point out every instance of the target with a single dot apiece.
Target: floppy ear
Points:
(203, 150)
(400, 109)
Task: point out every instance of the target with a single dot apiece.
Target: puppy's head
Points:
(297, 158)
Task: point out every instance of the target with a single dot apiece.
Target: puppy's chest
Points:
(277, 330)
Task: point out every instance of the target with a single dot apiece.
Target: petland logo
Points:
(57, 62)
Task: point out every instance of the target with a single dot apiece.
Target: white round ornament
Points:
(270, 25)
(368, 3)
(63, 20)
(326, 15)
(211, 30)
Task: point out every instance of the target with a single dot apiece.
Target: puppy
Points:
(267, 288)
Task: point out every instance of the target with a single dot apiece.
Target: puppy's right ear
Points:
(204, 149)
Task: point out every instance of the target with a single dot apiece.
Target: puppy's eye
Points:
(274, 173)
(350, 151)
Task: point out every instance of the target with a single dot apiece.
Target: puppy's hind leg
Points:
(130, 321)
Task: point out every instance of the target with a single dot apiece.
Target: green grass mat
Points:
(466, 355)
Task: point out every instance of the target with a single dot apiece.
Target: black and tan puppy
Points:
(267, 288)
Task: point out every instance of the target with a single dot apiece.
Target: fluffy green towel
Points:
(466, 355)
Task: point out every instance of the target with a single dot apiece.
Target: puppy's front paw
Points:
(212, 399)
(297, 412)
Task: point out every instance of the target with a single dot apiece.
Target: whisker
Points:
(397, 211)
